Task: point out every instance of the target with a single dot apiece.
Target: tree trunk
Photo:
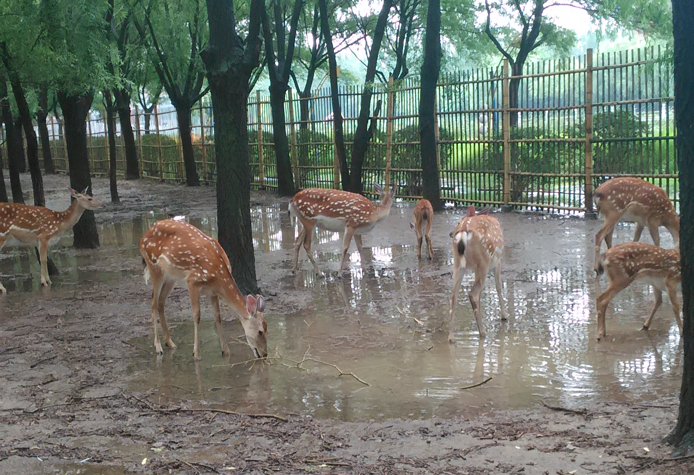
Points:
(75, 111)
(21, 155)
(41, 116)
(148, 117)
(683, 18)
(285, 178)
(427, 101)
(183, 115)
(513, 87)
(112, 155)
(32, 143)
(228, 72)
(362, 135)
(132, 168)
(3, 190)
(12, 145)
(334, 96)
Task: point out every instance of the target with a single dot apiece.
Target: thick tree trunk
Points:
(427, 117)
(3, 189)
(12, 145)
(41, 116)
(32, 142)
(362, 135)
(228, 71)
(285, 178)
(148, 117)
(21, 155)
(513, 87)
(683, 18)
(132, 168)
(75, 111)
(112, 155)
(183, 115)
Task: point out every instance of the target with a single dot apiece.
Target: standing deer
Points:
(336, 210)
(179, 252)
(635, 261)
(423, 214)
(635, 200)
(25, 225)
(478, 243)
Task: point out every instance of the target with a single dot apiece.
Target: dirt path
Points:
(66, 405)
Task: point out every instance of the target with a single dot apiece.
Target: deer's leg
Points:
(194, 293)
(457, 280)
(480, 277)
(218, 320)
(603, 300)
(658, 302)
(427, 235)
(653, 229)
(638, 229)
(157, 283)
(358, 241)
(671, 285)
(297, 247)
(166, 289)
(497, 280)
(606, 230)
(418, 231)
(43, 254)
(608, 239)
(349, 232)
(308, 239)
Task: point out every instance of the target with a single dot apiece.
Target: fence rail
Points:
(579, 121)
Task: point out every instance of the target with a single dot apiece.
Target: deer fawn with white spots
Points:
(179, 252)
(423, 216)
(635, 261)
(634, 200)
(336, 210)
(25, 225)
(478, 243)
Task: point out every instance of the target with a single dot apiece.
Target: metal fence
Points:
(580, 121)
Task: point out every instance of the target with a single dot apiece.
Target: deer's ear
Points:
(261, 303)
(470, 211)
(85, 191)
(251, 304)
(378, 189)
(72, 192)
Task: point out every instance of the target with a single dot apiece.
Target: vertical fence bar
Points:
(507, 136)
(292, 129)
(589, 133)
(202, 141)
(139, 140)
(261, 166)
(389, 130)
(161, 160)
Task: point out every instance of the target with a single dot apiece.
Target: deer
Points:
(639, 262)
(634, 200)
(40, 227)
(423, 213)
(336, 210)
(178, 252)
(478, 244)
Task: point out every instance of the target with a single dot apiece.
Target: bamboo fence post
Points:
(156, 122)
(202, 142)
(89, 138)
(389, 131)
(507, 135)
(589, 133)
(261, 166)
(292, 128)
(139, 140)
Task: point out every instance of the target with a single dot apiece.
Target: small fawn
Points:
(478, 243)
(423, 214)
(635, 261)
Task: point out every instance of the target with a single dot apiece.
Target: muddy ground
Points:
(67, 403)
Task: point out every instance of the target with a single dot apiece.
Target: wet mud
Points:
(360, 378)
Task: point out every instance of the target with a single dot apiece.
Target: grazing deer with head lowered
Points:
(635, 261)
(635, 200)
(25, 225)
(478, 243)
(179, 252)
(337, 210)
(423, 216)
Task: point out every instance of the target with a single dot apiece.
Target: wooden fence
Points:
(580, 121)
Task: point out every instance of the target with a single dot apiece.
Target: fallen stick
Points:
(478, 384)
(581, 412)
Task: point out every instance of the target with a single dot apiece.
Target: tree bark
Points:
(427, 101)
(3, 189)
(12, 145)
(229, 66)
(362, 135)
(41, 116)
(75, 111)
(183, 115)
(132, 167)
(112, 155)
(21, 155)
(683, 18)
(285, 178)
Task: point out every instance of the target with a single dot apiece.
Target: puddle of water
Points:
(387, 322)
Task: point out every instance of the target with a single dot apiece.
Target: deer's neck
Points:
(70, 216)
(383, 209)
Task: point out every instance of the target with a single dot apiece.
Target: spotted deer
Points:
(336, 210)
(478, 243)
(40, 227)
(634, 200)
(639, 262)
(423, 215)
(174, 252)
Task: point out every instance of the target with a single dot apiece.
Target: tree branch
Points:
(488, 31)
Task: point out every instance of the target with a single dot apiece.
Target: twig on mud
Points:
(581, 412)
(200, 464)
(342, 373)
(478, 384)
(43, 361)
